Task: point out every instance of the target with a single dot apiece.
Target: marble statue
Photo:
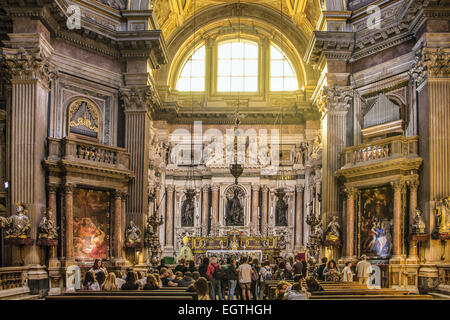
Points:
(281, 211)
(133, 234)
(333, 231)
(18, 224)
(418, 225)
(187, 209)
(47, 228)
(235, 211)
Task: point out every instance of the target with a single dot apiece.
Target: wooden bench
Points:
(373, 297)
(119, 297)
(360, 292)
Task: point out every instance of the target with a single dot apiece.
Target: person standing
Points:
(245, 279)
(214, 274)
(256, 280)
(363, 269)
(347, 273)
(298, 266)
(203, 267)
(232, 277)
(320, 275)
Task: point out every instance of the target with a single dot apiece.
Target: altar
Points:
(236, 254)
(235, 244)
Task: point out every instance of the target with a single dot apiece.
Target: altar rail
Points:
(87, 152)
(383, 149)
(12, 277)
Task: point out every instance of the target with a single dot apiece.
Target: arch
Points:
(256, 20)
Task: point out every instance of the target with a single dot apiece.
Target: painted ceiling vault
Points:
(172, 14)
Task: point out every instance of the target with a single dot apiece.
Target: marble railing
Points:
(12, 277)
(73, 149)
(383, 149)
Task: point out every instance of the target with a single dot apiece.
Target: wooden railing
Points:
(88, 152)
(383, 149)
(12, 277)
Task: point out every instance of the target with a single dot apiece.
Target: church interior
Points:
(140, 131)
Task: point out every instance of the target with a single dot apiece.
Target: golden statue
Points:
(185, 252)
(442, 213)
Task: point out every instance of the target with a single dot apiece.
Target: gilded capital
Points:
(300, 188)
(398, 186)
(413, 184)
(351, 192)
(170, 188)
(69, 188)
(52, 188)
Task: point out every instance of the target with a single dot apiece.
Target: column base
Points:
(38, 280)
(118, 262)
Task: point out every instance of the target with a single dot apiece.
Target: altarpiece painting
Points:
(91, 212)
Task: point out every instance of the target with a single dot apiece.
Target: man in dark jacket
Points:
(297, 268)
(321, 268)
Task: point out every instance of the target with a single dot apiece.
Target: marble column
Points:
(117, 250)
(137, 104)
(413, 186)
(27, 60)
(215, 208)
(123, 223)
(350, 223)
(68, 216)
(169, 217)
(205, 211)
(397, 240)
(334, 105)
(265, 190)
(299, 217)
(255, 207)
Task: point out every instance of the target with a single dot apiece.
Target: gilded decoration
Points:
(84, 118)
(442, 216)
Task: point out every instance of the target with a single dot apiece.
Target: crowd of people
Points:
(226, 279)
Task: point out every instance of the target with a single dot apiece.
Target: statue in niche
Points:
(235, 210)
(281, 209)
(187, 209)
(47, 228)
(133, 234)
(18, 224)
(418, 225)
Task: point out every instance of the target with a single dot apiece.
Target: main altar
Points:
(236, 245)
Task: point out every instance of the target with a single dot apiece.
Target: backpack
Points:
(255, 275)
(217, 274)
(268, 274)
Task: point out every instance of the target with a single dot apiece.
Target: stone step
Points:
(440, 296)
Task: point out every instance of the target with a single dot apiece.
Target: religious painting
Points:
(281, 209)
(84, 118)
(376, 222)
(234, 206)
(91, 212)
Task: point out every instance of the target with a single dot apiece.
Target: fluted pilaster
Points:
(299, 216)
(215, 208)
(265, 190)
(255, 207)
(169, 216)
(205, 212)
(350, 223)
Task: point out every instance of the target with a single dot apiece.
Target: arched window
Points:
(237, 66)
(192, 75)
(282, 75)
